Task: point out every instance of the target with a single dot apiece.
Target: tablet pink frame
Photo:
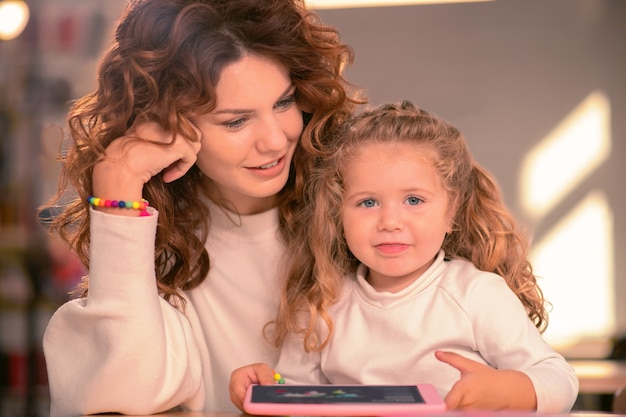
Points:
(432, 403)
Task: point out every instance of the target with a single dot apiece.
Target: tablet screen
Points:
(337, 394)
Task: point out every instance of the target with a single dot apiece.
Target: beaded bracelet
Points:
(134, 205)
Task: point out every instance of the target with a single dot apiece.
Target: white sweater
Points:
(390, 338)
(125, 349)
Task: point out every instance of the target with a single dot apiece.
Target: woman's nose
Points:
(271, 136)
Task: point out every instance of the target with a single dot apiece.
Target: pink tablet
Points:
(342, 400)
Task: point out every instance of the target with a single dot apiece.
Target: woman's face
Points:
(249, 139)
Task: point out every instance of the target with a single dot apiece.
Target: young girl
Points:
(212, 111)
(436, 285)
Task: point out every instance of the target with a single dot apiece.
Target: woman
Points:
(213, 111)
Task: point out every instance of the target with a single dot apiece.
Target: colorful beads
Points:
(278, 379)
(133, 205)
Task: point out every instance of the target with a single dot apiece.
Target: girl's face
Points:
(248, 140)
(395, 212)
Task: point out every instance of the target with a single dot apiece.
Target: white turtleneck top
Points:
(390, 338)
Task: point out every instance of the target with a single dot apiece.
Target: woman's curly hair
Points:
(163, 67)
(483, 230)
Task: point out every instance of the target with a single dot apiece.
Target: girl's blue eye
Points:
(370, 202)
(413, 201)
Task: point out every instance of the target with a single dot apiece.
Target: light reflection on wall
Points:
(574, 149)
(576, 268)
(574, 259)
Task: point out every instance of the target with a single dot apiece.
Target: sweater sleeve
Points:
(123, 348)
(509, 340)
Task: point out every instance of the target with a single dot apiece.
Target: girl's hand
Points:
(241, 378)
(482, 387)
(130, 163)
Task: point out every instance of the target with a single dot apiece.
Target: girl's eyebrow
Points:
(243, 111)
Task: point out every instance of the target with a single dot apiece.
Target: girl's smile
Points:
(392, 248)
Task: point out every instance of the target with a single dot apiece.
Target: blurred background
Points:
(537, 86)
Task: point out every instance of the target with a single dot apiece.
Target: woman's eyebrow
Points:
(242, 111)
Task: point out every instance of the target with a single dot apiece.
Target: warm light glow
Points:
(574, 149)
(575, 263)
(13, 18)
(345, 4)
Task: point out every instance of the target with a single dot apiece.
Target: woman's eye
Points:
(286, 102)
(370, 202)
(413, 201)
(235, 123)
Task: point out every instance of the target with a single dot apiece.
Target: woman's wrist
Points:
(141, 206)
(114, 182)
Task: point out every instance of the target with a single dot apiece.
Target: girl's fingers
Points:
(241, 378)
(459, 362)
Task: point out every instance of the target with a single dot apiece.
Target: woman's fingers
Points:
(187, 157)
(129, 163)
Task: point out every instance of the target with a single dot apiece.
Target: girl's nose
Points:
(390, 218)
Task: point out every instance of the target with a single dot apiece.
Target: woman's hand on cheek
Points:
(241, 378)
(174, 159)
(130, 162)
(188, 154)
(486, 388)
